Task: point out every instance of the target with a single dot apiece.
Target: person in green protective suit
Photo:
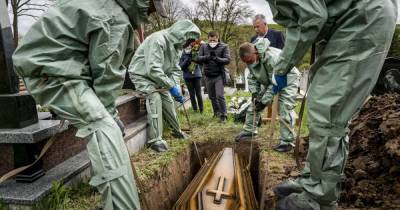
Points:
(260, 58)
(155, 71)
(352, 39)
(73, 61)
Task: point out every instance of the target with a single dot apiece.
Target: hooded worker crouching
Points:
(155, 71)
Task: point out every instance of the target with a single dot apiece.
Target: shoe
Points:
(159, 146)
(286, 188)
(296, 202)
(283, 147)
(244, 135)
(333, 206)
(180, 135)
(223, 120)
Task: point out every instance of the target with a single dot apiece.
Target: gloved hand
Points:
(176, 93)
(279, 82)
(259, 106)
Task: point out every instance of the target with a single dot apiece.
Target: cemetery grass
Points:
(206, 129)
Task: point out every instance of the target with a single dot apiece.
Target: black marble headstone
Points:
(16, 110)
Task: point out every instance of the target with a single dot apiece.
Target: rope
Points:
(48, 144)
(271, 137)
(252, 135)
(190, 128)
(297, 142)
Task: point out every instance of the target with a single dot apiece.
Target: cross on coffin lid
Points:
(223, 183)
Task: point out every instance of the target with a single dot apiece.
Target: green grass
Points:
(3, 206)
(148, 163)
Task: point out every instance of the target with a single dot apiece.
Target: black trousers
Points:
(215, 87)
(194, 88)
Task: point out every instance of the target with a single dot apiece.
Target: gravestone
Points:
(17, 110)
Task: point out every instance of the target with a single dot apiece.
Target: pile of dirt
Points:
(373, 167)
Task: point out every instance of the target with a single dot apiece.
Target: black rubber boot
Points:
(159, 146)
(292, 202)
(283, 147)
(286, 188)
(244, 135)
(223, 119)
(180, 135)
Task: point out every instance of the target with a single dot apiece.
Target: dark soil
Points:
(373, 167)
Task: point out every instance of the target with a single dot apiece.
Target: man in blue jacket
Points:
(261, 27)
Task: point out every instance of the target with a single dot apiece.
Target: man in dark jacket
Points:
(214, 56)
(274, 37)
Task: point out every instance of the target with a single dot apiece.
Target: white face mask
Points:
(213, 44)
(188, 50)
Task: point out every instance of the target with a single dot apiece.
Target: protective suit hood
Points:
(181, 31)
(136, 10)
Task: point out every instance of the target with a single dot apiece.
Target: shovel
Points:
(187, 130)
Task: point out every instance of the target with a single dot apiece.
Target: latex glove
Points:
(176, 93)
(259, 106)
(180, 99)
(279, 82)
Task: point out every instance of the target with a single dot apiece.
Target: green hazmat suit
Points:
(353, 39)
(260, 83)
(155, 69)
(73, 61)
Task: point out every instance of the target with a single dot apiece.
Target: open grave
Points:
(162, 189)
(164, 177)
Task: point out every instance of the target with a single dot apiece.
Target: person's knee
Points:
(106, 124)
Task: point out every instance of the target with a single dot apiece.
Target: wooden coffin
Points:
(223, 183)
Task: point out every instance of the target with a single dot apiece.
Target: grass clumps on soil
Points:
(76, 197)
(208, 129)
(205, 128)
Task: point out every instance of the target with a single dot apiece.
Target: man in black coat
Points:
(260, 26)
(214, 56)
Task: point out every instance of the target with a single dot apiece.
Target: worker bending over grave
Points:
(260, 59)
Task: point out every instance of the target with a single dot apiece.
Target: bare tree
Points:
(174, 11)
(220, 15)
(27, 8)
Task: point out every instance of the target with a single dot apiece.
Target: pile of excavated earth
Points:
(373, 167)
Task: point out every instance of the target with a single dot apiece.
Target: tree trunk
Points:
(15, 29)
